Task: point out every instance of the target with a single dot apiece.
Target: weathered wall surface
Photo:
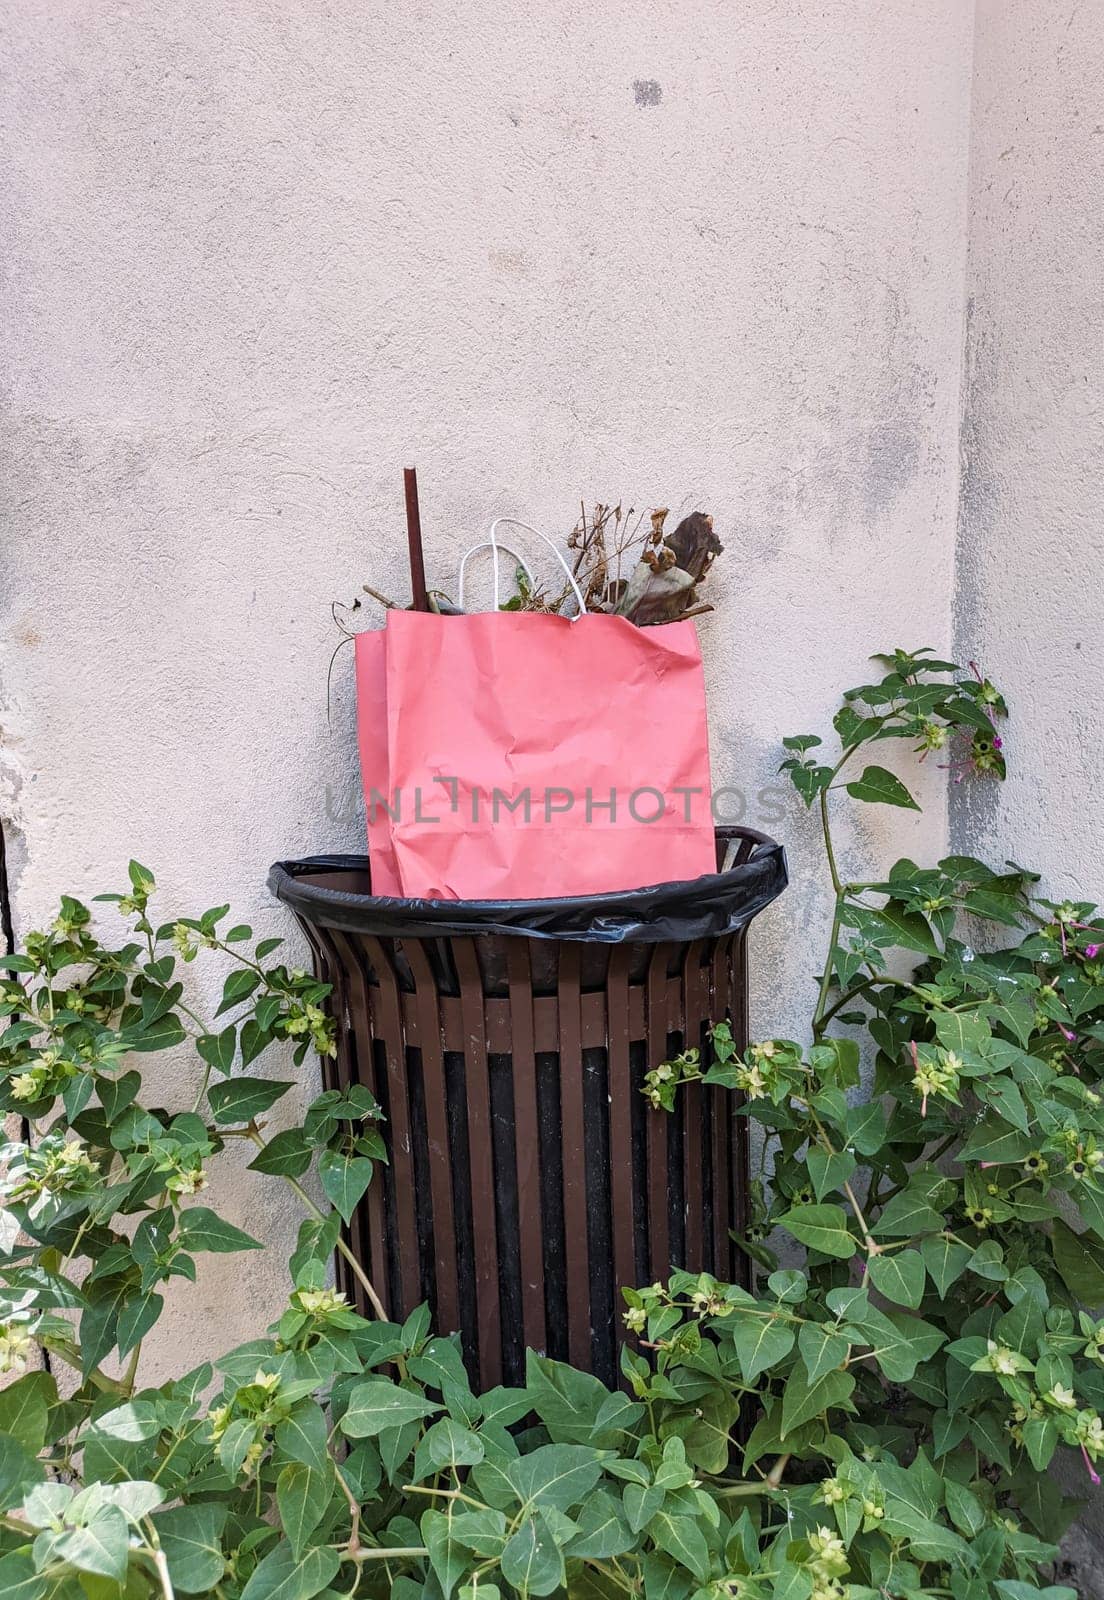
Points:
(259, 255)
(1031, 539)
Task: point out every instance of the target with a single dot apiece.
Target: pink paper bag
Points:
(532, 756)
(371, 692)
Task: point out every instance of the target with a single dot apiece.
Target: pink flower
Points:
(1095, 1476)
(1091, 952)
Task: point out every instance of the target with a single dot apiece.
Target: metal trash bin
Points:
(506, 1043)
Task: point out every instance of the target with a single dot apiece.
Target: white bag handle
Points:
(488, 544)
(493, 544)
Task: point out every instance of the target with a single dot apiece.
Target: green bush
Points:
(878, 1418)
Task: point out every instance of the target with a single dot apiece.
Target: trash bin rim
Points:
(681, 910)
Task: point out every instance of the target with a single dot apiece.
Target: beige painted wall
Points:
(1031, 533)
(1029, 597)
(262, 254)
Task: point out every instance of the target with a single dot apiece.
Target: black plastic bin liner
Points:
(698, 908)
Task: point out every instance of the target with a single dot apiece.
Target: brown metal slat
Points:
(481, 1161)
(659, 1244)
(440, 1156)
(694, 993)
(388, 1030)
(526, 1143)
(721, 990)
(622, 1184)
(573, 1132)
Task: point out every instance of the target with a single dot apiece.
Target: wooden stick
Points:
(414, 540)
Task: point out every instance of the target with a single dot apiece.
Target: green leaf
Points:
(603, 1530)
(681, 1538)
(218, 1049)
(377, 1403)
(821, 1347)
(907, 1215)
(255, 1040)
(900, 1342)
(116, 1094)
(908, 929)
(191, 1541)
(962, 1031)
(642, 1501)
(1040, 1437)
(946, 1261)
(881, 787)
(288, 1155)
(203, 1229)
(101, 1547)
(19, 1471)
(565, 1399)
(18, 1578)
(964, 1508)
(531, 1559)
(24, 1406)
(866, 1127)
(1012, 1589)
(761, 1342)
(1080, 1262)
(141, 878)
(803, 1400)
(556, 1475)
(242, 1099)
(238, 987)
(1090, 1201)
(302, 1436)
(823, 1228)
(1003, 1095)
(663, 1580)
(164, 1034)
(344, 1179)
(928, 1539)
(829, 1171)
(302, 1495)
(484, 1531)
(992, 1140)
(284, 1576)
(446, 1444)
(132, 1423)
(900, 1277)
(449, 1562)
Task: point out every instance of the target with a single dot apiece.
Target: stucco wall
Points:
(262, 254)
(1031, 536)
(1029, 596)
